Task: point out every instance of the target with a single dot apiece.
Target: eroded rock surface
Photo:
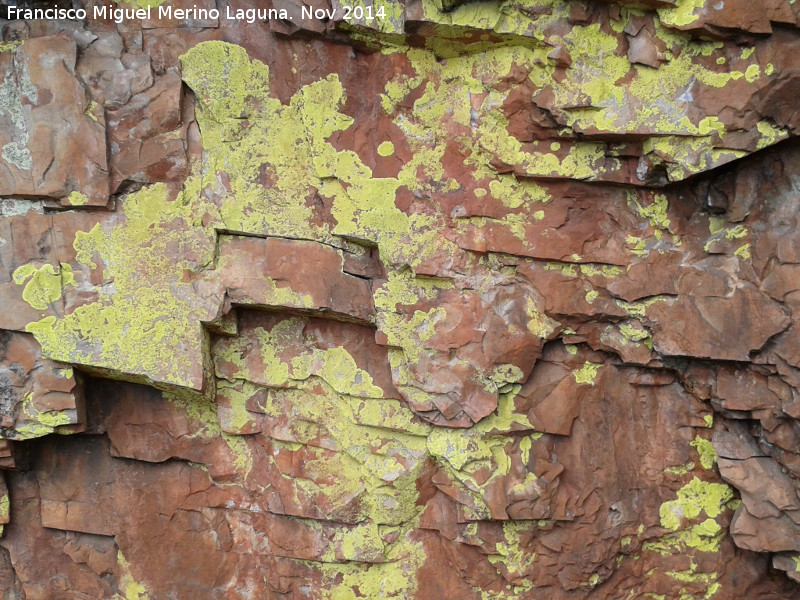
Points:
(469, 300)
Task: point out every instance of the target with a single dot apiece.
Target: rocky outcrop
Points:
(466, 300)
(53, 140)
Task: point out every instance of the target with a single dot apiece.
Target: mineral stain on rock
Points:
(469, 300)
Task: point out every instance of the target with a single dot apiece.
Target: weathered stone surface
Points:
(147, 143)
(37, 396)
(53, 139)
(721, 331)
(302, 275)
(458, 301)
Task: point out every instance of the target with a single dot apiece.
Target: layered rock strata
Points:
(468, 300)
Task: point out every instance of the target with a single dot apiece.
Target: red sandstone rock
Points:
(294, 274)
(419, 315)
(53, 142)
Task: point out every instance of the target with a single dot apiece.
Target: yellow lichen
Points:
(539, 323)
(386, 148)
(694, 500)
(44, 284)
(587, 373)
(77, 199)
(151, 310)
(130, 588)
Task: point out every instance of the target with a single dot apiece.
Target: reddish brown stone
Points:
(51, 145)
(415, 320)
(292, 274)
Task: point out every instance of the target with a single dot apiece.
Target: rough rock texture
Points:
(470, 300)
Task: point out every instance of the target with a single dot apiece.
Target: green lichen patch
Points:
(396, 578)
(357, 444)
(639, 308)
(43, 285)
(9, 46)
(247, 132)
(693, 521)
(708, 456)
(386, 149)
(408, 332)
(5, 507)
(129, 587)
(34, 423)
(335, 366)
(151, 311)
(631, 333)
(770, 134)
(244, 130)
(682, 14)
(539, 323)
(656, 212)
(721, 233)
(587, 373)
(743, 252)
(514, 558)
(653, 100)
(693, 517)
(77, 198)
(706, 580)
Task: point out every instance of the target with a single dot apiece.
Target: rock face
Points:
(467, 300)
(53, 137)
